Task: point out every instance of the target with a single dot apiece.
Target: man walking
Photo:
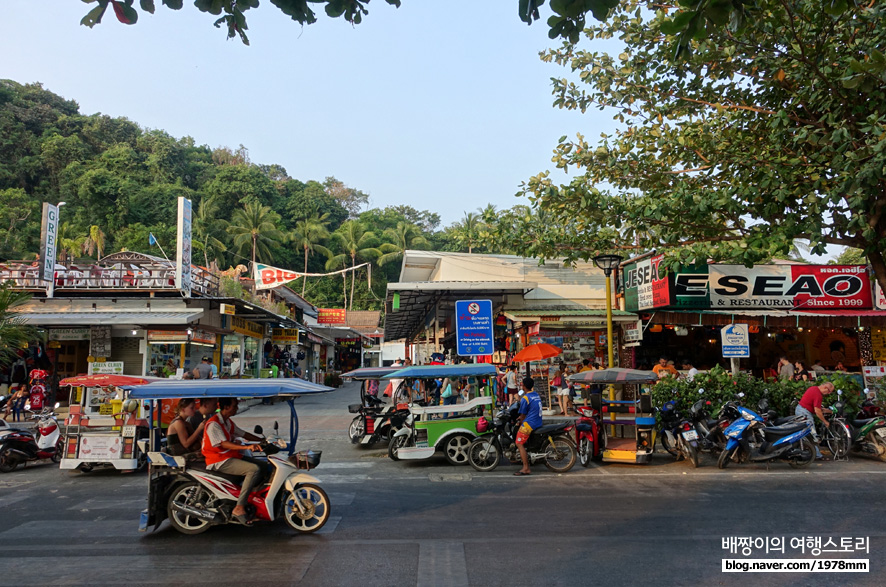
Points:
(529, 420)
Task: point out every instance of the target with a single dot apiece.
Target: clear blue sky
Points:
(444, 106)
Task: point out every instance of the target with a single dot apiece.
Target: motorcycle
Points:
(590, 435)
(678, 434)
(551, 444)
(867, 436)
(710, 430)
(749, 439)
(374, 423)
(18, 446)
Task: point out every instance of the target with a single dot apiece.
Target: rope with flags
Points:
(268, 277)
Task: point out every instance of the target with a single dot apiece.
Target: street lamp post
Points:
(607, 263)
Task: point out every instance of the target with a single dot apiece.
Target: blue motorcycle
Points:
(748, 439)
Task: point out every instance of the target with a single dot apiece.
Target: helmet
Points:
(130, 405)
(482, 424)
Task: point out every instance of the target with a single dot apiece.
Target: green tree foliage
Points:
(254, 229)
(402, 237)
(757, 137)
(356, 244)
(307, 235)
(14, 333)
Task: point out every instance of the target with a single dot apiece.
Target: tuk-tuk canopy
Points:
(107, 380)
(196, 388)
(369, 372)
(438, 371)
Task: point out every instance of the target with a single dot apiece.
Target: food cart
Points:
(630, 423)
(103, 424)
(449, 428)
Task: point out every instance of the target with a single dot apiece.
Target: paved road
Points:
(430, 524)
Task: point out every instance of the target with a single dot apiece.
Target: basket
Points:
(306, 459)
(354, 408)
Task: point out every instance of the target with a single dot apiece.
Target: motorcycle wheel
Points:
(191, 494)
(807, 446)
(726, 457)
(560, 455)
(7, 463)
(395, 445)
(57, 455)
(456, 449)
(316, 504)
(666, 444)
(691, 454)
(86, 467)
(356, 429)
(881, 447)
(141, 462)
(584, 452)
(484, 455)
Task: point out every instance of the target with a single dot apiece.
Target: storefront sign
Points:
(101, 447)
(735, 340)
(284, 336)
(48, 241)
(267, 277)
(632, 332)
(69, 334)
(331, 316)
(227, 309)
(167, 336)
(879, 297)
(810, 287)
(247, 327)
(473, 327)
(106, 368)
(100, 341)
(183, 248)
(314, 338)
(348, 342)
(645, 287)
(878, 344)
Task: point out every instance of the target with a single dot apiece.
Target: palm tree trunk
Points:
(253, 264)
(304, 278)
(205, 257)
(353, 280)
(344, 289)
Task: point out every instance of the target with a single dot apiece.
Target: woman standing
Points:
(181, 439)
(560, 386)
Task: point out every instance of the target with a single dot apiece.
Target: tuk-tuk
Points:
(195, 498)
(103, 424)
(448, 428)
(373, 422)
(636, 440)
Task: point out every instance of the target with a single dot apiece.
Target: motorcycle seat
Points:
(783, 421)
(238, 479)
(550, 428)
(782, 431)
(862, 423)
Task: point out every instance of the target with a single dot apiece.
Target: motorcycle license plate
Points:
(690, 435)
(881, 432)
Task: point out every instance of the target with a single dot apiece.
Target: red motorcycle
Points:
(590, 435)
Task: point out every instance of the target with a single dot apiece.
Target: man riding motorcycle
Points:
(224, 455)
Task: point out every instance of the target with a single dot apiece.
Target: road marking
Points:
(106, 503)
(448, 477)
(442, 564)
(337, 499)
(354, 478)
(8, 500)
(17, 483)
(330, 525)
(346, 465)
(73, 529)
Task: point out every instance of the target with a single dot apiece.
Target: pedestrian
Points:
(560, 388)
(511, 383)
(785, 369)
(529, 420)
(810, 406)
(204, 369)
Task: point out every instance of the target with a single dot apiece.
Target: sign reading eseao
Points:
(473, 327)
(735, 341)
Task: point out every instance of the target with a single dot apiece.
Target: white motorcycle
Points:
(19, 446)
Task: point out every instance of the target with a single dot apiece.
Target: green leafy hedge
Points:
(720, 386)
(332, 380)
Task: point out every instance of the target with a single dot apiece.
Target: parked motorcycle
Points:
(550, 443)
(749, 439)
(18, 446)
(866, 436)
(374, 423)
(678, 434)
(710, 430)
(590, 435)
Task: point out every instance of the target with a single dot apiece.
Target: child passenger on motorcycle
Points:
(529, 420)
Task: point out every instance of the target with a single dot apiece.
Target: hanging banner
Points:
(183, 248)
(284, 336)
(331, 316)
(48, 241)
(645, 288)
(268, 277)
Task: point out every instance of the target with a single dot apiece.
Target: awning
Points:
(771, 318)
(43, 319)
(174, 388)
(567, 316)
(437, 371)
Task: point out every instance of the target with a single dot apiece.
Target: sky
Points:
(444, 106)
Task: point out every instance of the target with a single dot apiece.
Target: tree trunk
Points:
(353, 280)
(344, 289)
(879, 265)
(304, 279)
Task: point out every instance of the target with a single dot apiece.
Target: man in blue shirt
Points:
(529, 420)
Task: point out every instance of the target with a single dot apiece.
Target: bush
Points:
(332, 380)
(720, 387)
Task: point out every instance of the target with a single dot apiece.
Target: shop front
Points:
(242, 351)
(174, 352)
(349, 354)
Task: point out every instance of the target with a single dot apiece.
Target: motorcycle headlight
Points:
(748, 416)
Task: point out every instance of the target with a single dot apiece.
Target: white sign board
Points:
(106, 368)
(69, 334)
(101, 448)
(48, 241)
(183, 248)
(632, 331)
(879, 298)
(735, 339)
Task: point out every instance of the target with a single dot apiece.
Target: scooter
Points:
(18, 446)
(749, 439)
(867, 436)
(710, 430)
(590, 435)
(374, 423)
(678, 435)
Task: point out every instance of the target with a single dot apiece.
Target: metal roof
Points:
(175, 388)
(435, 371)
(567, 312)
(110, 318)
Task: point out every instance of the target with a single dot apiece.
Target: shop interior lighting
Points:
(134, 332)
(190, 332)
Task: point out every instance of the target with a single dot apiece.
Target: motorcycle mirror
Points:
(740, 394)
(701, 390)
(839, 392)
(57, 404)
(258, 429)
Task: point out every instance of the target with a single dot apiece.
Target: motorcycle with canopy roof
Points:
(374, 422)
(195, 498)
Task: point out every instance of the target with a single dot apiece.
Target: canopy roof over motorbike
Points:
(369, 373)
(175, 388)
(616, 375)
(437, 371)
(107, 380)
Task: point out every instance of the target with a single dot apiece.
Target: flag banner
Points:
(267, 277)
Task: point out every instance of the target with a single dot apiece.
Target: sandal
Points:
(521, 474)
(242, 519)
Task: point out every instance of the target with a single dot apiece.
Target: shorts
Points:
(513, 391)
(562, 390)
(523, 433)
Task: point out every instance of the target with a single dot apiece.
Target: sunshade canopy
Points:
(537, 352)
(175, 388)
(107, 380)
(369, 372)
(615, 375)
(436, 371)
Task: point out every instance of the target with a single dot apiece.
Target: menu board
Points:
(100, 341)
(878, 344)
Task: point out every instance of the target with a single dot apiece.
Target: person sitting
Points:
(181, 437)
(224, 455)
(207, 408)
(800, 372)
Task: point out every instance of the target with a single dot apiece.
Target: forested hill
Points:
(120, 183)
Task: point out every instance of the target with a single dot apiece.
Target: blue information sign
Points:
(473, 327)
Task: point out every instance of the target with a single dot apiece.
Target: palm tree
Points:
(254, 227)
(335, 262)
(357, 243)
(68, 245)
(14, 333)
(94, 242)
(308, 234)
(209, 230)
(404, 236)
(467, 231)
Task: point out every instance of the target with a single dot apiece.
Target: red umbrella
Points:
(537, 352)
(106, 380)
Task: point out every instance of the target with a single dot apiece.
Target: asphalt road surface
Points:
(427, 523)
